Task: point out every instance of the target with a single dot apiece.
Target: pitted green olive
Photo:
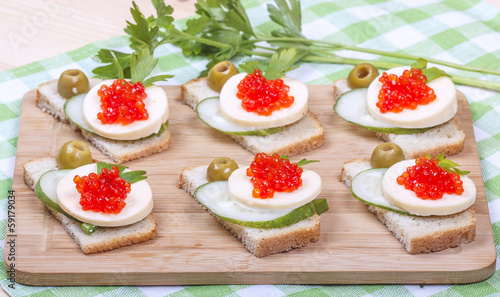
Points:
(386, 154)
(72, 82)
(73, 154)
(219, 74)
(220, 169)
(362, 76)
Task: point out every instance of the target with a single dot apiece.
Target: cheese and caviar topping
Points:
(406, 91)
(261, 109)
(155, 104)
(272, 182)
(401, 97)
(421, 188)
(138, 202)
(104, 192)
(263, 96)
(122, 102)
(430, 181)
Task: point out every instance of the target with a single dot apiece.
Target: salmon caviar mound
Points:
(273, 173)
(263, 96)
(407, 91)
(122, 103)
(104, 192)
(429, 180)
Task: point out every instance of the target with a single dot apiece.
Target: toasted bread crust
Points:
(104, 238)
(302, 136)
(260, 242)
(418, 234)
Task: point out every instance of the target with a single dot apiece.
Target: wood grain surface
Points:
(191, 248)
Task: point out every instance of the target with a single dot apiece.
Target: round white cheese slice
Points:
(231, 108)
(442, 109)
(156, 104)
(240, 188)
(406, 199)
(139, 202)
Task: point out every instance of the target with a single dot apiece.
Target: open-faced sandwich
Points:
(269, 206)
(413, 107)
(102, 206)
(425, 202)
(262, 111)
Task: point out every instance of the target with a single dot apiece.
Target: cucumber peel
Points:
(209, 112)
(351, 106)
(215, 197)
(366, 186)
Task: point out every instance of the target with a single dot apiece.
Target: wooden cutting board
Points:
(191, 248)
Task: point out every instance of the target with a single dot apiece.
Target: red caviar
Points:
(406, 91)
(430, 181)
(263, 96)
(273, 173)
(122, 102)
(104, 192)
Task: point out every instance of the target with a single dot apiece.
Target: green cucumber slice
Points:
(366, 186)
(45, 190)
(351, 106)
(209, 112)
(216, 198)
(74, 111)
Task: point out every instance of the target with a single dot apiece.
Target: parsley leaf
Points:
(305, 162)
(288, 17)
(250, 66)
(431, 73)
(118, 63)
(130, 176)
(449, 165)
(280, 63)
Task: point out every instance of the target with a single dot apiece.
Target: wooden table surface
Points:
(40, 29)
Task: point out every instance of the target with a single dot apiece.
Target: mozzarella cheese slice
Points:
(139, 202)
(231, 108)
(442, 109)
(156, 104)
(240, 188)
(406, 199)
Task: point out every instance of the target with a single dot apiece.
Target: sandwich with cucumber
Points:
(271, 206)
(413, 107)
(262, 110)
(101, 206)
(426, 202)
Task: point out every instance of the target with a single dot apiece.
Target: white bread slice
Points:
(104, 238)
(119, 151)
(446, 138)
(260, 242)
(418, 234)
(299, 137)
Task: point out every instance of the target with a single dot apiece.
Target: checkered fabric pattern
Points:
(463, 32)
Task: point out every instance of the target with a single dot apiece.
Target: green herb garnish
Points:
(431, 73)
(449, 165)
(301, 162)
(280, 63)
(130, 176)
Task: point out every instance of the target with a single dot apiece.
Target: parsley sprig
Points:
(449, 165)
(431, 73)
(144, 39)
(222, 30)
(129, 176)
(301, 162)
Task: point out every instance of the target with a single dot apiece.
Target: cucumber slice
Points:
(74, 111)
(45, 190)
(209, 112)
(366, 186)
(216, 198)
(351, 106)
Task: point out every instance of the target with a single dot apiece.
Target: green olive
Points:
(219, 74)
(73, 154)
(386, 154)
(72, 82)
(221, 168)
(362, 76)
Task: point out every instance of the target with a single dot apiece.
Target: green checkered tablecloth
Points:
(463, 32)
